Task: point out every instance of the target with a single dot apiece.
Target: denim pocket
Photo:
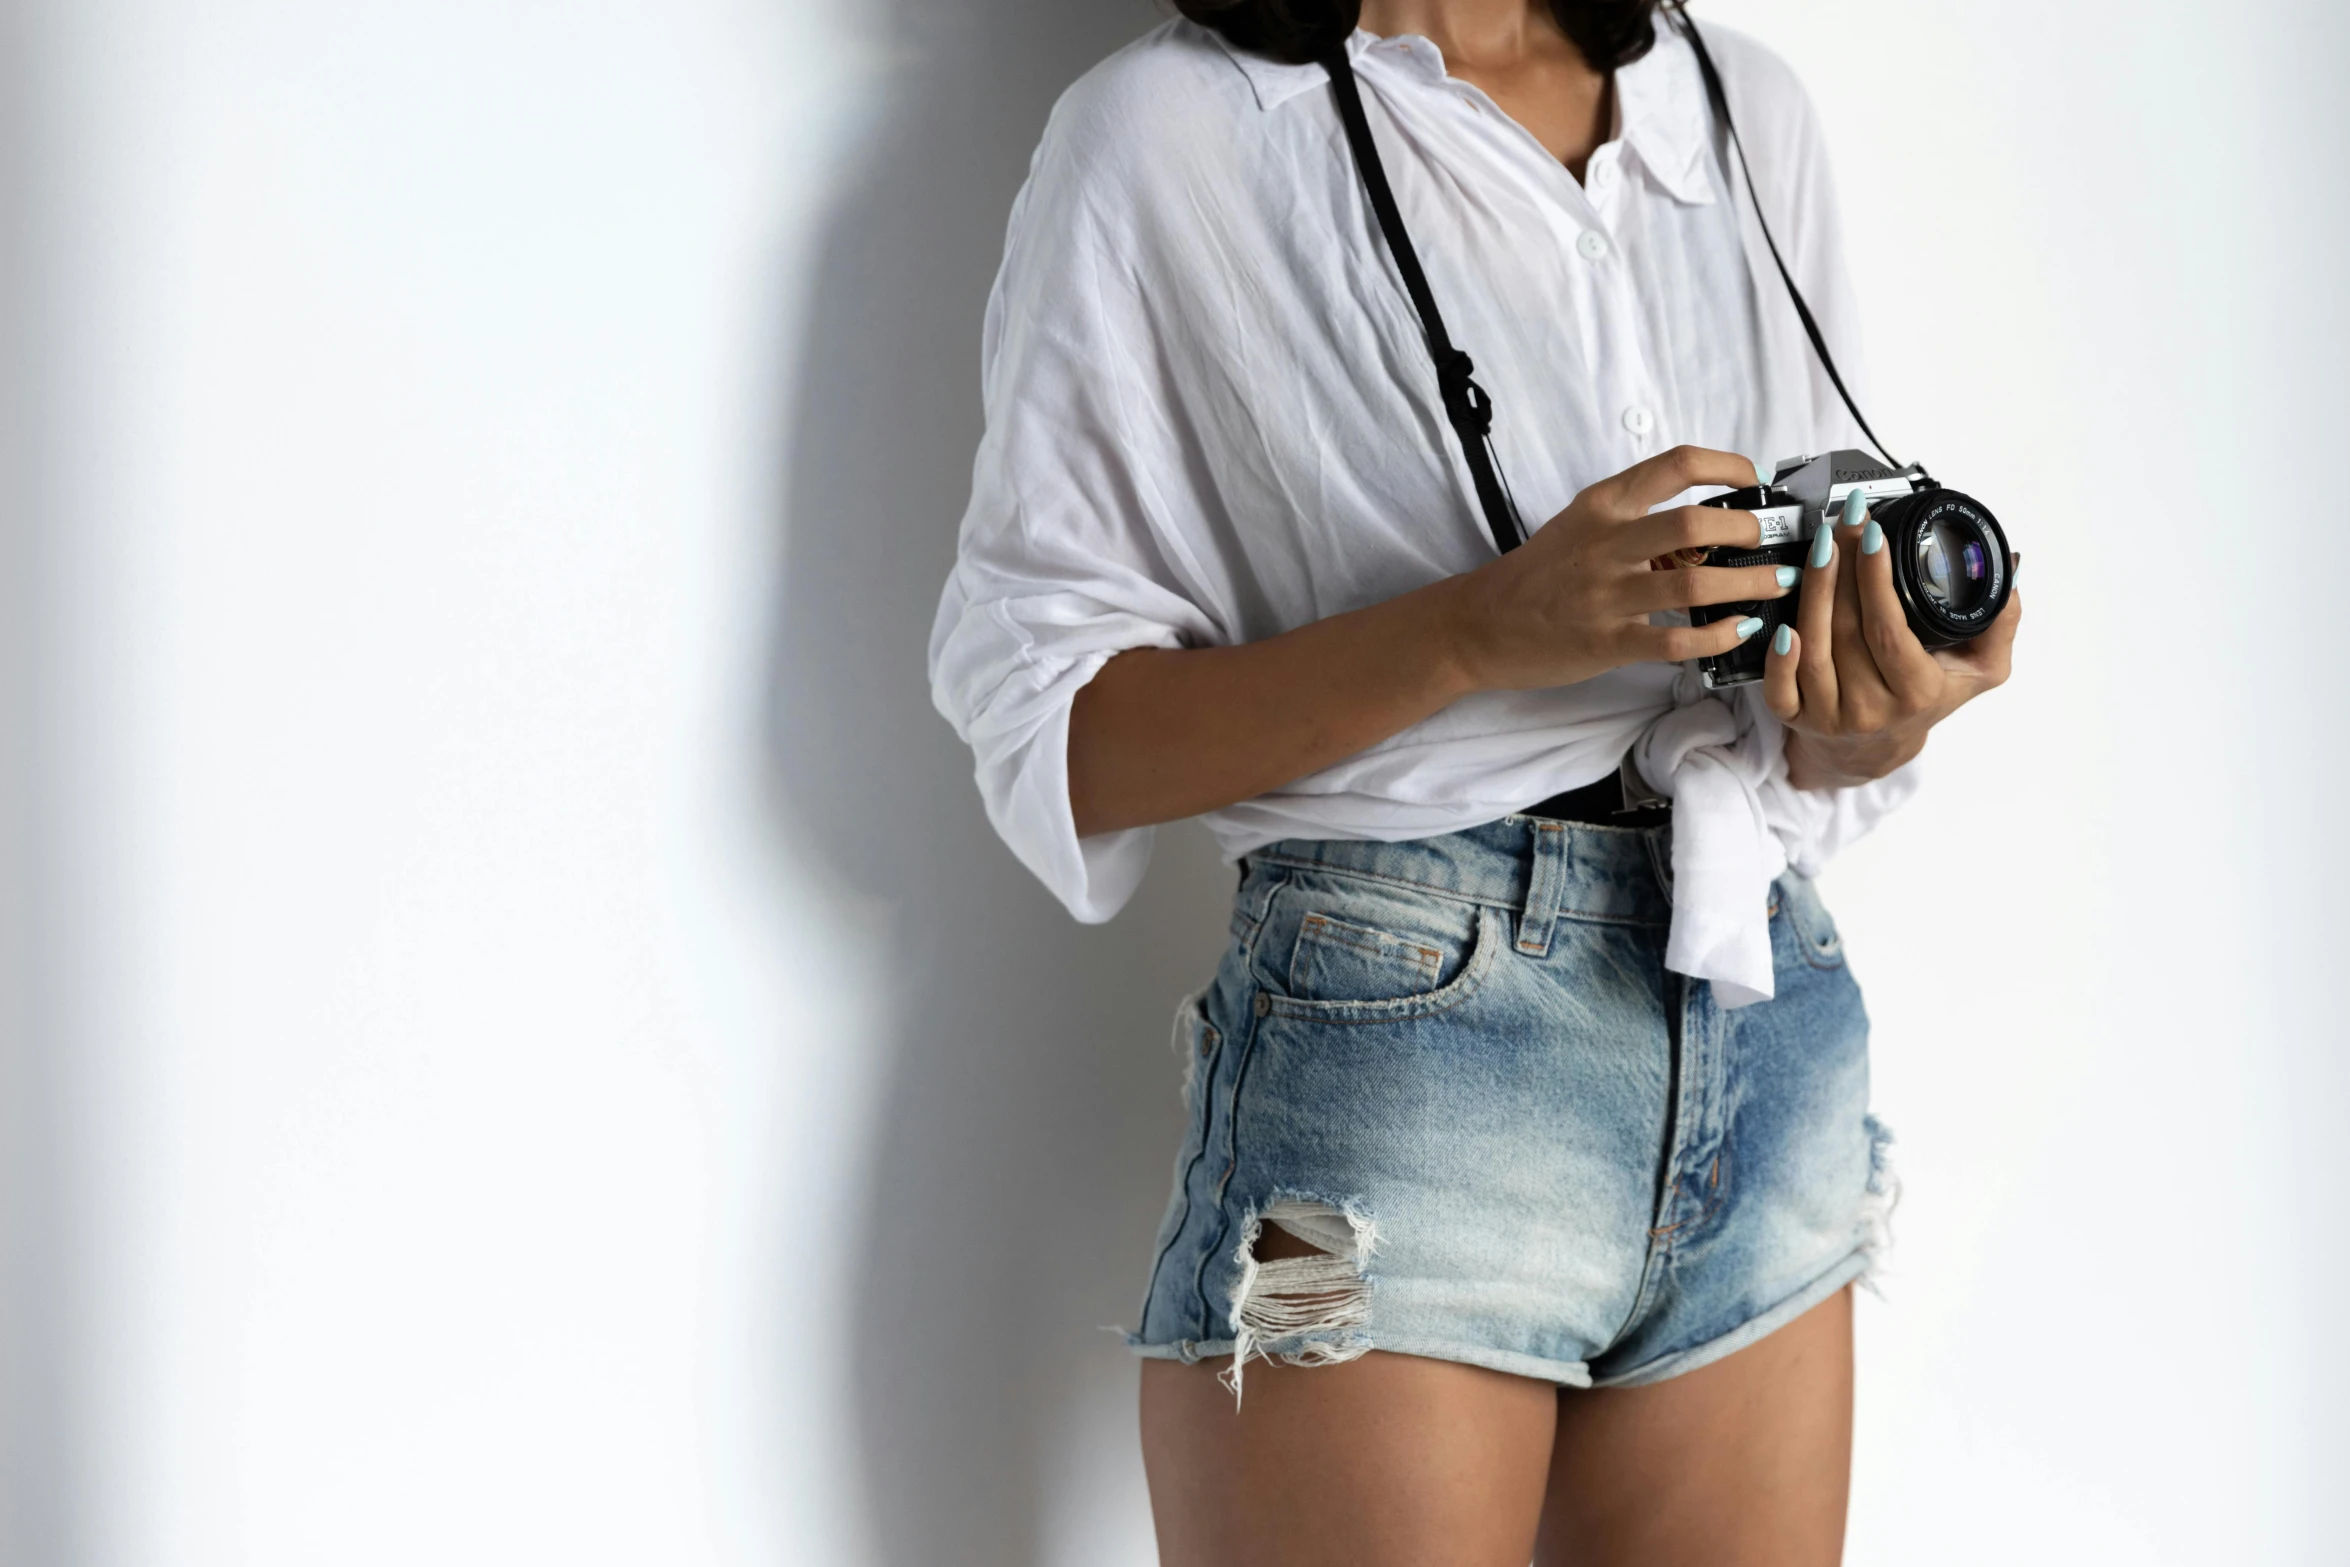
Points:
(1350, 939)
(1339, 961)
(1476, 954)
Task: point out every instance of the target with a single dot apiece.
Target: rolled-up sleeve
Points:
(1065, 557)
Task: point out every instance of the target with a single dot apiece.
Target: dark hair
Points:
(1609, 32)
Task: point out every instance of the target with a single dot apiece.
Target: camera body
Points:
(1951, 567)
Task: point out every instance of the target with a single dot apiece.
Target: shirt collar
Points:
(1662, 114)
(1275, 82)
(1664, 119)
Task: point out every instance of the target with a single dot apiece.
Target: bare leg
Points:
(1745, 1463)
(1386, 1461)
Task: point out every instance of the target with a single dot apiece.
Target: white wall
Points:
(33, 1396)
(535, 1043)
(2095, 246)
(448, 1028)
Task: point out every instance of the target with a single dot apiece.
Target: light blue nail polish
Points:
(1782, 639)
(1748, 627)
(1789, 576)
(1823, 547)
(1872, 538)
(1856, 506)
(1762, 477)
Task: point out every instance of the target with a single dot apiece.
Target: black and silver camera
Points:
(1950, 560)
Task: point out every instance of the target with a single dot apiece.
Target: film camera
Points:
(1950, 559)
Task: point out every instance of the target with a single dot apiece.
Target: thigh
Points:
(1745, 1461)
(1384, 1461)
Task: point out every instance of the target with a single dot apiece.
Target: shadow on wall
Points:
(1028, 1111)
(41, 1263)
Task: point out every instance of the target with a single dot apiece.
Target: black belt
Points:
(1601, 804)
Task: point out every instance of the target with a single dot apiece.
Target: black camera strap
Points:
(1687, 28)
(1465, 402)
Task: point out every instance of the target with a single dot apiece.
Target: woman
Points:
(1529, 1162)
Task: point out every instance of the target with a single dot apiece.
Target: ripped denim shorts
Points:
(1459, 1070)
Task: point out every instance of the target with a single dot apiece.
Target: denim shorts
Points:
(1459, 1070)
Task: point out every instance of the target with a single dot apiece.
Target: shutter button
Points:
(1592, 243)
(1639, 420)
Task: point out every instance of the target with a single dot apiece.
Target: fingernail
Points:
(1762, 477)
(1823, 547)
(1748, 627)
(1872, 538)
(1856, 506)
(1789, 576)
(1782, 639)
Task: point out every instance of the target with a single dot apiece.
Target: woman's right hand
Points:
(1575, 599)
(1163, 733)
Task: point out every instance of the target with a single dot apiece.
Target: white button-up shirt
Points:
(1212, 417)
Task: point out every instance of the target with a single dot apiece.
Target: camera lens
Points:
(1953, 567)
(1949, 563)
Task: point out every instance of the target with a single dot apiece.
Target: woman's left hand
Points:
(1856, 689)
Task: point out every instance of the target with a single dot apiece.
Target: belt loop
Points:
(1660, 859)
(1546, 889)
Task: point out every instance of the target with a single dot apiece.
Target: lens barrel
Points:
(1950, 563)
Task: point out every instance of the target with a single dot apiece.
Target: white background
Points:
(520, 1045)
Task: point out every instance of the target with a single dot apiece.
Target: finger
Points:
(1863, 700)
(1692, 587)
(1909, 670)
(1987, 659)
(1684, 528)
(1782, 693)
(1815, 635)
(1666, 475)
(1679, 644)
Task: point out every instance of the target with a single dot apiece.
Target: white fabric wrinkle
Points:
(1706, 757)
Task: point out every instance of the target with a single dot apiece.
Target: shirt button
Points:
(1592, 244)
(1639, 420)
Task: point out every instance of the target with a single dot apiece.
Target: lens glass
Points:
(1954, 568)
